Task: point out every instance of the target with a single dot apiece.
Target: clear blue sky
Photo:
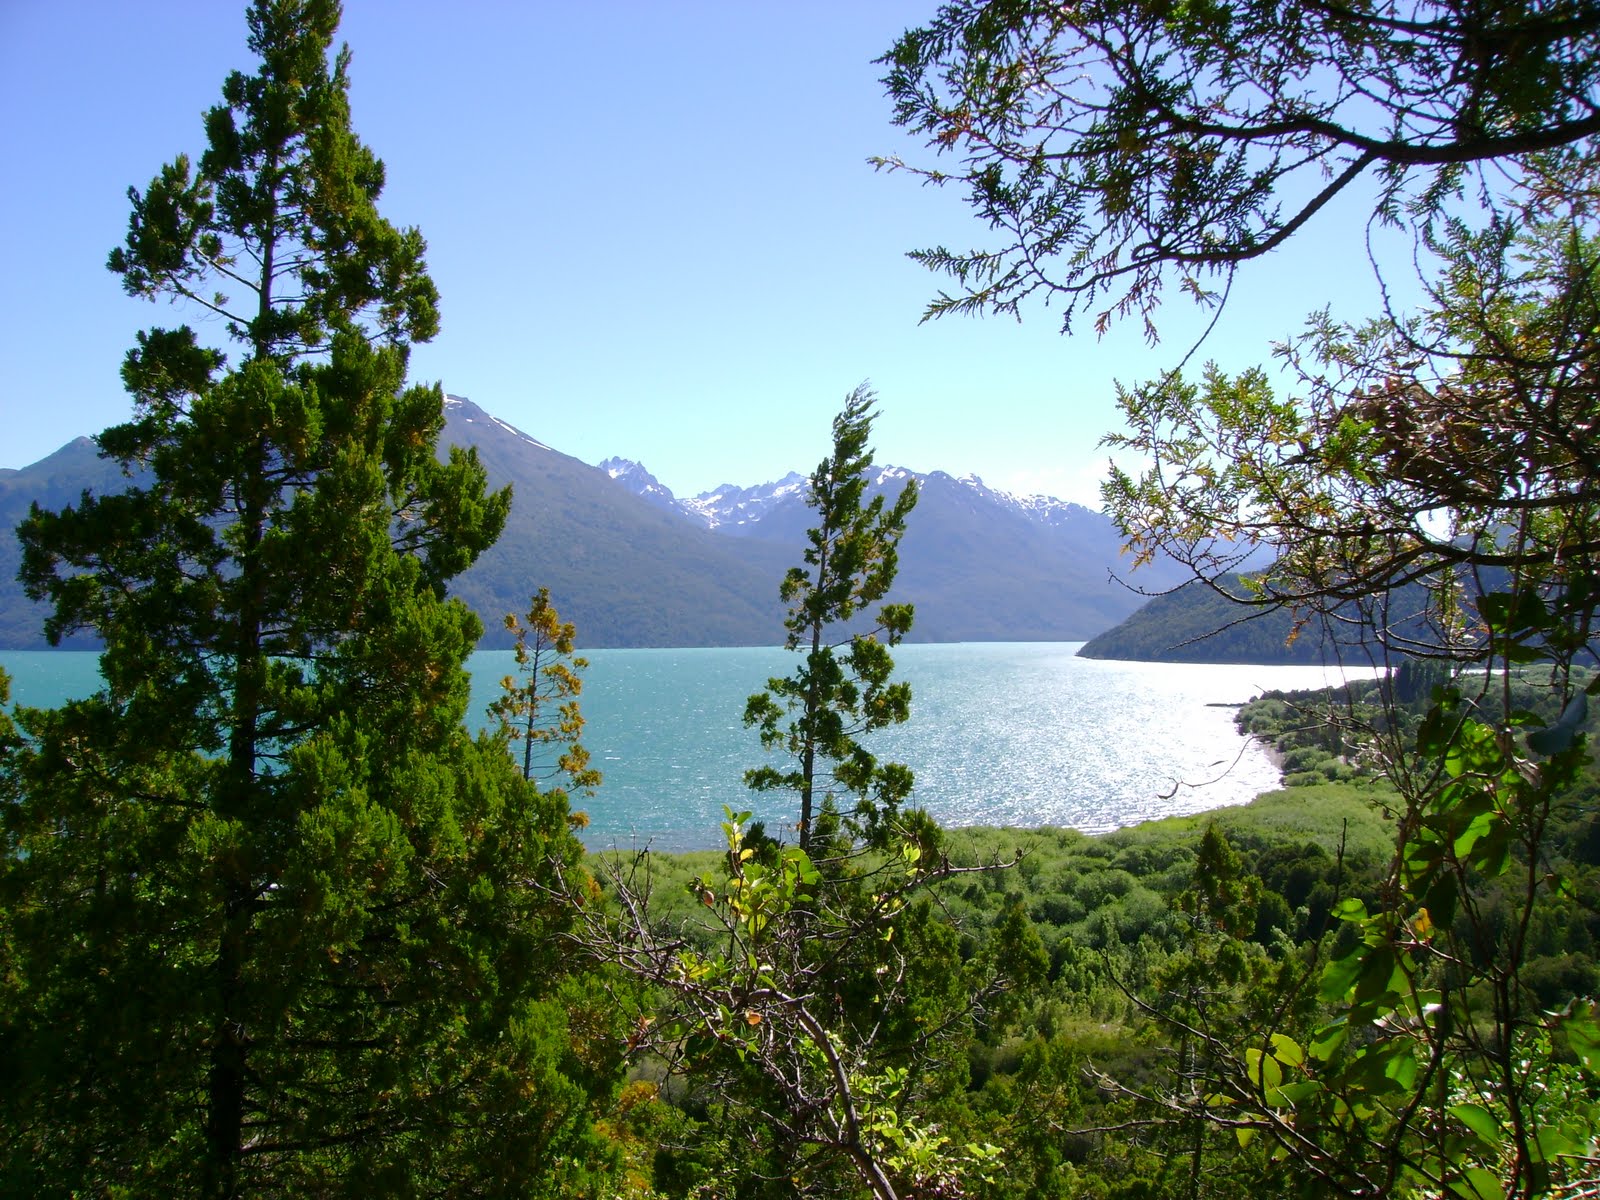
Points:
(652, 224)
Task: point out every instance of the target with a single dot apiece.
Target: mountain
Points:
(627, 571)
(53, 483)
(640, 482)
(739, 511)
(978, 563)
(1193, 623)
(632, 565)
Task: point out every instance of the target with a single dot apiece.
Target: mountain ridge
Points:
(633, 566)
(734, 504)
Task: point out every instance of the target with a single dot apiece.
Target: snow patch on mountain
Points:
(1046, 510)
(465, 410)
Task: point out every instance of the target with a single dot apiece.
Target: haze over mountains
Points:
(634, 566)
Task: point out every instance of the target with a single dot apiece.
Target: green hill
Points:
(1194, 623)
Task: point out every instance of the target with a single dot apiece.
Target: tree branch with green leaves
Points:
(1117, 147)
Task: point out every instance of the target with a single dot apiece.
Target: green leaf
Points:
(1330, 1038)
(1476, 1183)
(1339, 976)
(1477, 828)
(1482, 1124)
(1582, 1030)
(1263, 1069)
(1381, 976)
(1286, 1050)
(1377, 1070)
(1401, 1067)
(1440, 900)
(1437, 729)
(1349, 909)
(1549, 1142)
(1492, 853)
(1292, 1095)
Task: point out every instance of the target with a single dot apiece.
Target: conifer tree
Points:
(833, 698)
(269, 906)
(542, 711)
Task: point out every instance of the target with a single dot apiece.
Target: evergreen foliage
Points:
(1118, 147)
(542, 711)
(272, 919)
(817, 714)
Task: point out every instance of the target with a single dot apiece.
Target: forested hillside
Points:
(52, 483)
(1194, 623)
(1220, 620)
(632, 574)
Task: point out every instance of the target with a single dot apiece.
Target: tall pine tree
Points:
(843, 689)
(275, 919)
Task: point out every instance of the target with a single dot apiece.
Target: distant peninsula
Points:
(1194, 624)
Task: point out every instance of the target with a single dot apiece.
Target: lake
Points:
(1007, 733)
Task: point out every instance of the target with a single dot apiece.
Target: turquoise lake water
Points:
(1010, 733)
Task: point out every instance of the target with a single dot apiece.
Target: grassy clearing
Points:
(1326, 814)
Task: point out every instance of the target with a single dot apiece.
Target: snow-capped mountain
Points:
(634, 566)
(462, 411)
(640, 482)
(979, 562)
(737, 510)
(1046, 510)
(728, 507)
